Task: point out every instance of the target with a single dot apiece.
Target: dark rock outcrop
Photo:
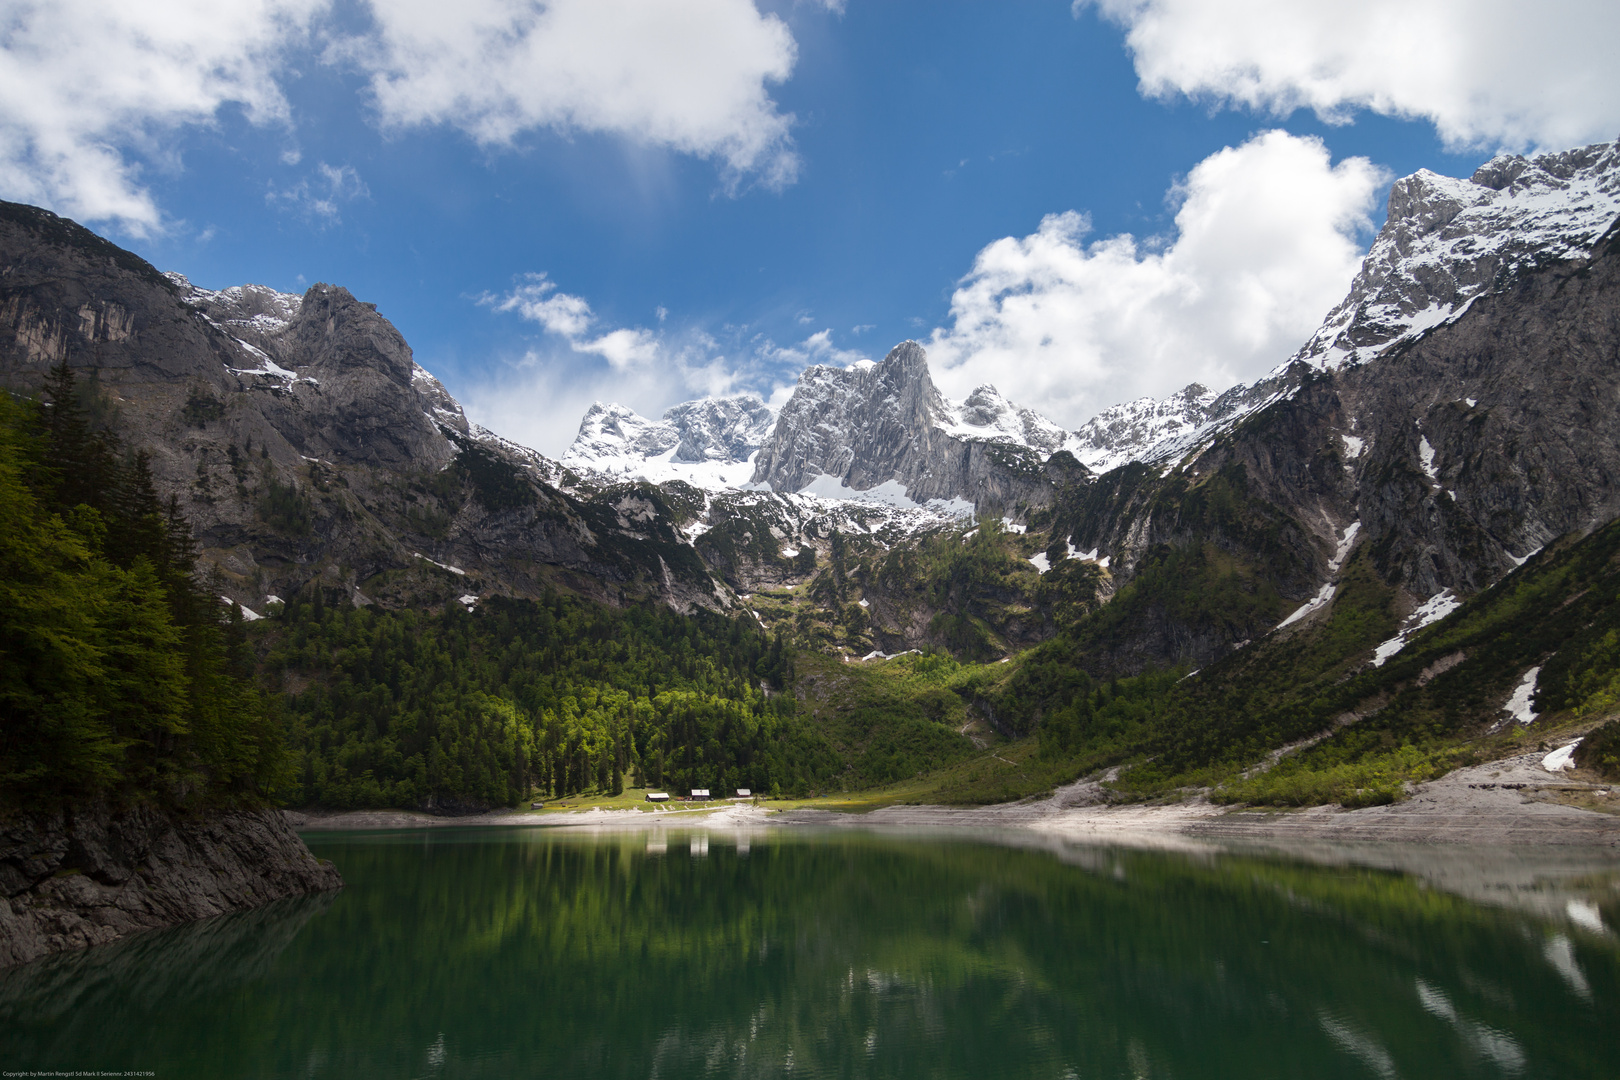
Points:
(90, 876)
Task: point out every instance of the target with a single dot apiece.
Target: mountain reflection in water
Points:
(516, 953)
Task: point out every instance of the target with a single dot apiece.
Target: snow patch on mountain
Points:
(891, 493)
(1428, 613)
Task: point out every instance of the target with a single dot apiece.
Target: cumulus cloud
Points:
(1484, 72)
(94, 94)
(537, 299)
(1267, 239)
(84, 83)
(691, 76)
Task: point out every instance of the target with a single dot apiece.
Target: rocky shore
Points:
(89, 876)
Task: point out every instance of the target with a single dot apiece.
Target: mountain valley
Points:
(1120, 595)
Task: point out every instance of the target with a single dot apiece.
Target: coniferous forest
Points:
(473, 709)
(121, 676)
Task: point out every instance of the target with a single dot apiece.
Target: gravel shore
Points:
(1510, 802)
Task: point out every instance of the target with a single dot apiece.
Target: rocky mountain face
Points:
(306, 446)
(1454, 414)
(885, 424)
(1445, 436)
(1447, 242)
(880, 434)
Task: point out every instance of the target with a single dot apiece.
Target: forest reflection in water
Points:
(534, 952)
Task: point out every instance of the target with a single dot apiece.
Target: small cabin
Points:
(658, 796)
(744, 793)
(537, 806)
(700, 793)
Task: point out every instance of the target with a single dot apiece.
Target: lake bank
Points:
(1511, 801)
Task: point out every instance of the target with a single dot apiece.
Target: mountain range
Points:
(1450, 417)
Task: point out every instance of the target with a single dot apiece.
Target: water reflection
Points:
(519, 953)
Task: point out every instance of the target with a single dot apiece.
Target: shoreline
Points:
(1497, 803)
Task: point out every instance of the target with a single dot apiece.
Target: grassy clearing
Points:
(630, 799)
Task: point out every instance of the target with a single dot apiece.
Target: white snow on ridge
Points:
(257, 308)
(1448, 241)
(710, 443)
(986, 416)
(1134, 430)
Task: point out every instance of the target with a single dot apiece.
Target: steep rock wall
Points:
(89, 876)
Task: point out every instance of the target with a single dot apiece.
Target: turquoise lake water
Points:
(547, 953)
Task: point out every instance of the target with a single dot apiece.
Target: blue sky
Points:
(786, 183)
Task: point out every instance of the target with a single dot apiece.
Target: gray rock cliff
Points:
(873, 424)
(94, 875)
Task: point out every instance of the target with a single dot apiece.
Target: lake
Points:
(794, 953)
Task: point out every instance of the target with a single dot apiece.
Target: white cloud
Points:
(625, 349)
(538, 300)
(95, 94)
(1268, 237)
(539, 399)
(1485, 72)
(691, 76)
(319, 196)
(85, 83)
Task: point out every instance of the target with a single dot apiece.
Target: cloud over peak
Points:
(1268, 236)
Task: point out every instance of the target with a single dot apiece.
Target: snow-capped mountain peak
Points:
(987, 415)
(609, 431)
(1447, 240)
(251, 311)
(1131, 431)
(709, 442)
